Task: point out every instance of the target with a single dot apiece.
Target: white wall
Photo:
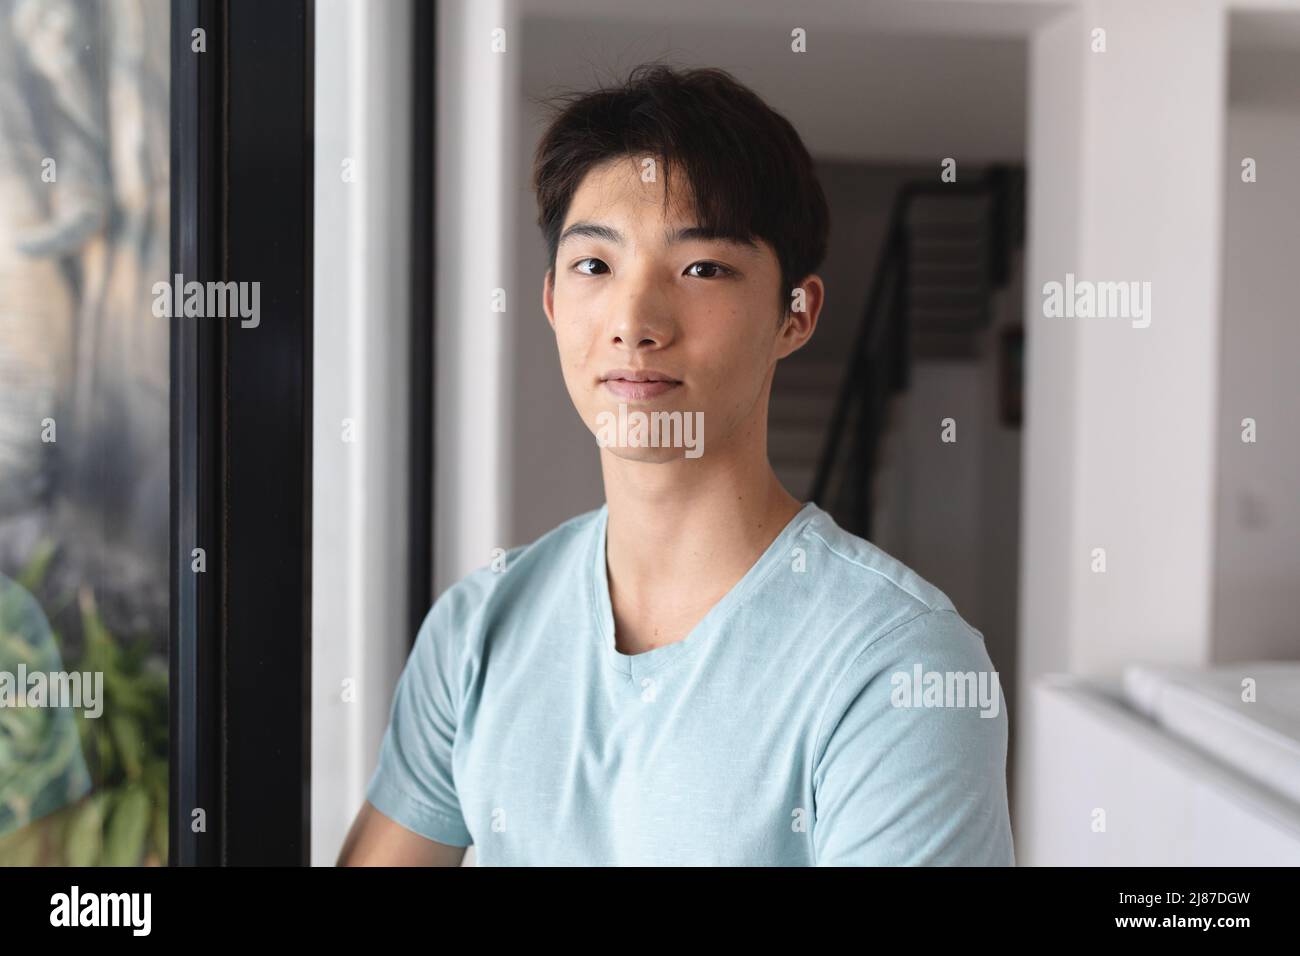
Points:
(1152, 188)
(1050, 455)
(360, 373)
(477, 121)
(1125, 165)
(1257, 553)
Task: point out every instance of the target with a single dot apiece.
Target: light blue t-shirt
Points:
(832, 709)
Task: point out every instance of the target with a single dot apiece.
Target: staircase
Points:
(803, 400)
(949, 274)
(947, 252)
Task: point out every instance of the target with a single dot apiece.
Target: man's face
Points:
(630, 294)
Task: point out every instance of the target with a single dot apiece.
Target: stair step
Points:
(933, 297)
(945, 345)
(948, 242)
(944, 273)
(940, 208)
(967, 231)
(950, 255)
(950, 320)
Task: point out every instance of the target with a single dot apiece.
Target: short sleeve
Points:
(910, 762)
(412, 783)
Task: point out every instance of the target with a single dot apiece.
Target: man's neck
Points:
(679, 535)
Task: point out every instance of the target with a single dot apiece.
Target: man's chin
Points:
(652, 435)
(650, 456)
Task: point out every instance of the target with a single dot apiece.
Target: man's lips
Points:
(638, 391)
(638, 384)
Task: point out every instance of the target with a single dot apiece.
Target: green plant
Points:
(127, 746)
(122, 821)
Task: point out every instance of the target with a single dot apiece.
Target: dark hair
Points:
(749, 172)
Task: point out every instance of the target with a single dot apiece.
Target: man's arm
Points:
(907, 777)
(375, 840)
(411, 815)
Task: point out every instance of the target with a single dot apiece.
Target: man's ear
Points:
(797, 327)
(548, 297)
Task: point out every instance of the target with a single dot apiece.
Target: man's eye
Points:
(718, 269)
(721, 269)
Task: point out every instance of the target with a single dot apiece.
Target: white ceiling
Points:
(882, 80)
(967, 18)
(855, 95)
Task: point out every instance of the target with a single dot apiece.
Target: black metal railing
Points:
(880, 359)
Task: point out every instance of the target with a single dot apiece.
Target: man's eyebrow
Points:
(690, 233)
(595, 230)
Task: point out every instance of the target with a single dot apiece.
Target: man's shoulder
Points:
(903, 632)
(857, 566)
(890, 611)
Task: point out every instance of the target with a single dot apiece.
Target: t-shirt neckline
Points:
(636, 666)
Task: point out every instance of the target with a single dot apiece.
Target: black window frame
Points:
(423, 340)
(241, 457)
(240, 641)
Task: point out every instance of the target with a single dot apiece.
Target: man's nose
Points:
(642, 318)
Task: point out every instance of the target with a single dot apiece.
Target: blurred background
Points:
(84, 424)
(1118, 513)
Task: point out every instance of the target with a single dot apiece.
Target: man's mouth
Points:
(634, 385)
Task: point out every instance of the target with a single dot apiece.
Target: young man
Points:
(704, 670)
